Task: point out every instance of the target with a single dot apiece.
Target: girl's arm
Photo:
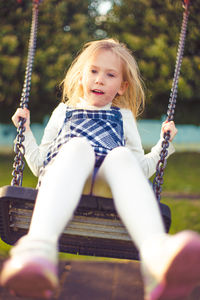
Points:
(148, 161)
(35, 154)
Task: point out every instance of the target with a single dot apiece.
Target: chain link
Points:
(158, 180)
(19, 149)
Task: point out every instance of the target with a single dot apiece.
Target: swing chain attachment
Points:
(186, 4)
(37, 2)
(158, 180)
(19, 149)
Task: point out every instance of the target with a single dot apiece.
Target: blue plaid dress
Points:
(102, 128)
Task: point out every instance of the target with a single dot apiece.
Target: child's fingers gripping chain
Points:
(21, 113)
(169, 126)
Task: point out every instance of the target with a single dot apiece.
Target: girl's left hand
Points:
(169, 126)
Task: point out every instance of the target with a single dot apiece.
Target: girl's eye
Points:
(111, 75)
(93, 71)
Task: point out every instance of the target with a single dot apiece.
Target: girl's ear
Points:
(123, 88)
(80, 85)
(79, 78)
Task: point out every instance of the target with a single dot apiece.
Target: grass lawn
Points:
(182, 176)
(185, 214)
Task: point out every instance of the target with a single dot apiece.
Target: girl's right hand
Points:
(23, 113)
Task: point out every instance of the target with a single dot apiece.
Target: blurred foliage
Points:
(64, 26)
(150, 28)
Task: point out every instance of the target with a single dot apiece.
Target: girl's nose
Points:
(99, 79)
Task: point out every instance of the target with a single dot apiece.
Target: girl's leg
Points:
(61, 190)
(133, 196)
(170, 264)
(33, 260)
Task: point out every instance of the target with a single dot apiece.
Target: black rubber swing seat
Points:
(95, 230)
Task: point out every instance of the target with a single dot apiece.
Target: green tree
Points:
(150, 28)
(64, 26)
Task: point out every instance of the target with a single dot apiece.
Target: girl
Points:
(92, 135)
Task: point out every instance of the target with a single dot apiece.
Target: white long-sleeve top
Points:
(35, 154)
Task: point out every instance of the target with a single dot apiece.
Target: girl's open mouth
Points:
(97, 92)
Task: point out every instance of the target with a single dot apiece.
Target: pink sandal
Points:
(182, 274)
(35, 277)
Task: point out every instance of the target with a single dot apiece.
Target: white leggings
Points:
(63, 183)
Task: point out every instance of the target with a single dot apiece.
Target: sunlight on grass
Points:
(182, 173)
(185, 214)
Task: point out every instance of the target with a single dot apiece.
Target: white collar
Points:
(84, 105)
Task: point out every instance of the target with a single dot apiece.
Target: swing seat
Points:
(95, 229)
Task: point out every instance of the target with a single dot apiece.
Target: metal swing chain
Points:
(19, 149)
(158, 180)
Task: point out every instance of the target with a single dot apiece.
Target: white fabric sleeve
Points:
(148, 161)
(35, 154)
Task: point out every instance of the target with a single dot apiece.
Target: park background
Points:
(150, 28)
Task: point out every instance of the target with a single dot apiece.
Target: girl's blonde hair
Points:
(133, 98)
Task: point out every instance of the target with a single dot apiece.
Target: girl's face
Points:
(102, 78)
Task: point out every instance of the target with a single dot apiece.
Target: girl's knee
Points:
(121, 160)
(120, 154)
(79, 147)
